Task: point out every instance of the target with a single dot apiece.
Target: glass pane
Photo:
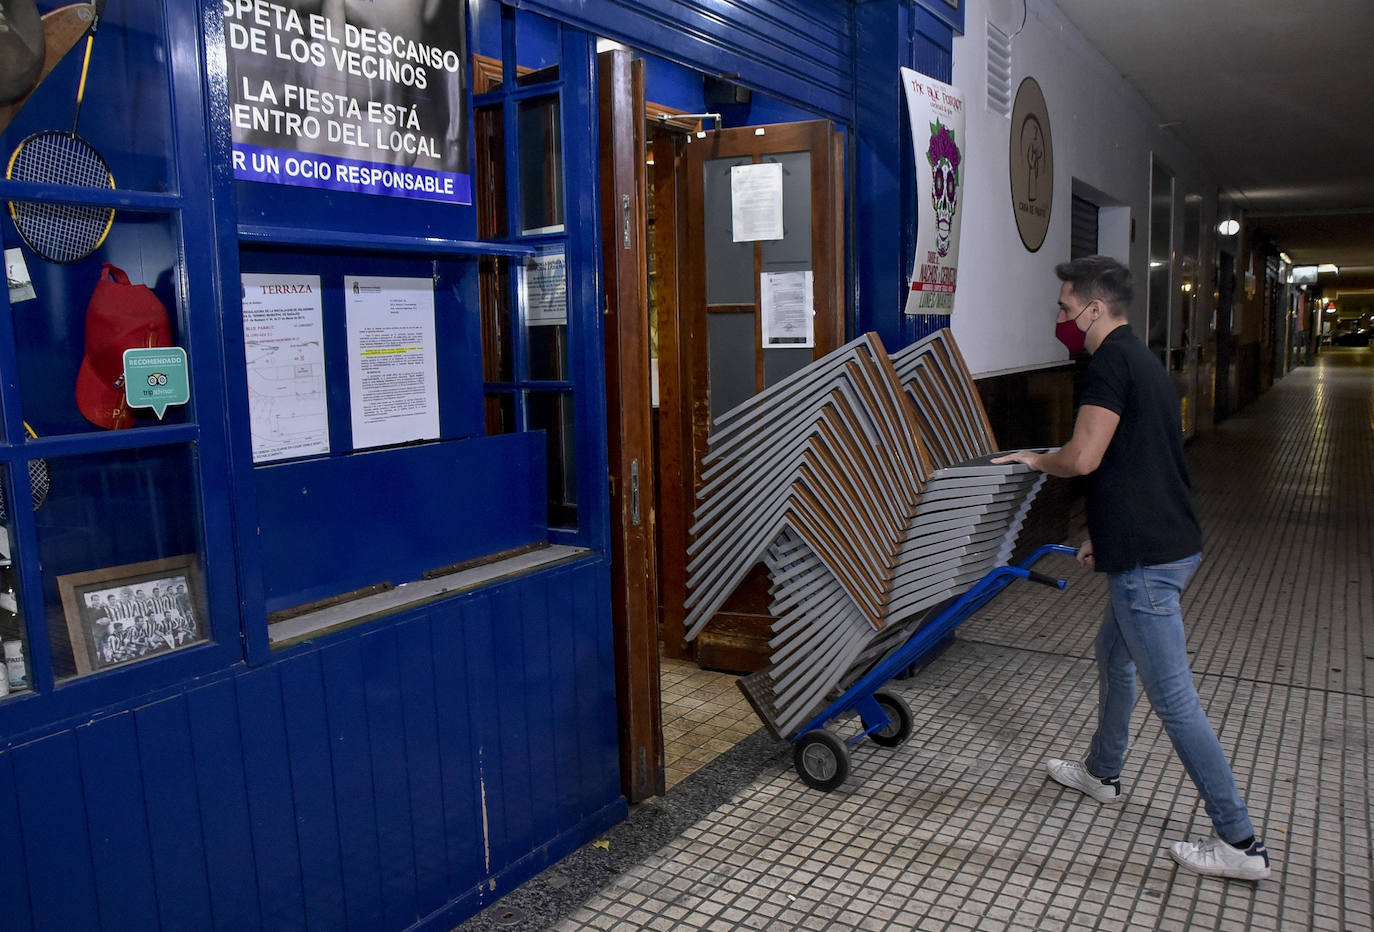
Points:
(778, 364)
(81, 318)
(792, 253)
(1190, 261)
(125, 114)
(536, 48)
(14, 675)
(486, 45)
(544, 306)
(553, 414)
(1161, 248)
(541, 166)
(729, 265)
(119, 544)
(500, 408)
(496, 320)
(490, 140)
(730, 347)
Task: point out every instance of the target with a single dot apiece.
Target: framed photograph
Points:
(123, 614)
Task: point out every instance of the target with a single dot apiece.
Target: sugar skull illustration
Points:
(944, 159)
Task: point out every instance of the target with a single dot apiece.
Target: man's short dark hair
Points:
(1099, 278)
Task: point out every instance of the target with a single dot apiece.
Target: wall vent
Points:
(999, 71)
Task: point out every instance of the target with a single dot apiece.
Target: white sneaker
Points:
(1075, 776)
(1216, 858)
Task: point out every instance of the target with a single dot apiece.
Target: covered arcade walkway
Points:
(960, 829)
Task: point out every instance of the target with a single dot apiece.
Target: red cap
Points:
(120, 316)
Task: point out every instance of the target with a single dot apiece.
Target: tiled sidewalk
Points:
(960, 829)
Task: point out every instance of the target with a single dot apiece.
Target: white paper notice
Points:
(283, 339)
(789, 307)
(756, 201)
(392, 374)
(544, 286)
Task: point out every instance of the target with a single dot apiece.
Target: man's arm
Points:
(1092, 433)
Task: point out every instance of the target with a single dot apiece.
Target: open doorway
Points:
(684, 291)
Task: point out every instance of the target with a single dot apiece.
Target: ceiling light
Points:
(1228, 227)
(1327, 267)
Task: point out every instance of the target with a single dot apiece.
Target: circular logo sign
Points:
(1032, 164)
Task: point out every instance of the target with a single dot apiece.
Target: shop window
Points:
(1161, 318)
(110, 451)
(119, 546)
(15, 675)
(526, 309)
(498, 356)
(537, 41)
(553, 414)
(541, 166)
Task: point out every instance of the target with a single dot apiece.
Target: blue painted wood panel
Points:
(386, 725)
(798, 50)
(445, 503)
(267, 769)
(56, 846)
(312, 788)
(216, 742)
(346, 699)
(14, 879)
(339, 786)
(114, 788)
(172, 809)
(414, 643)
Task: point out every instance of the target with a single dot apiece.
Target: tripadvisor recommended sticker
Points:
(156, 378)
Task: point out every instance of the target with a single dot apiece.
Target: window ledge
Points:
(411, 594)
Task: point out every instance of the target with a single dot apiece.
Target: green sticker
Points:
(156, 378)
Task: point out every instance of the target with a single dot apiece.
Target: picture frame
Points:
(119, 615)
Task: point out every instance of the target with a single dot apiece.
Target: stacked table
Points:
(863, 483)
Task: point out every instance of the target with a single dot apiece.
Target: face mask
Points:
(1075, 340)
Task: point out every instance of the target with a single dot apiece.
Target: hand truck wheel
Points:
(899, 721)
(821, 760)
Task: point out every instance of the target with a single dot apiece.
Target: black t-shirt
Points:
(1140, 502)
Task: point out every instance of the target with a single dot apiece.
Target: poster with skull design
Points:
(936, 110)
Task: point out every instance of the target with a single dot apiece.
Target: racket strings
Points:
(60, 158)
(60, 232)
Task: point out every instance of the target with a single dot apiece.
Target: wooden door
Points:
(711, 329)
(634, 590)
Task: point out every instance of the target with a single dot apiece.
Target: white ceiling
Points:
(1276, 96)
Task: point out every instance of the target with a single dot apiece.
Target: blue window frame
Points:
(118, 510)
(534, 131)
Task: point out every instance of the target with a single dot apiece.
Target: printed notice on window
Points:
(283, 341)
(756, 201)
(392, 373)
(788, 306)
(544, 288)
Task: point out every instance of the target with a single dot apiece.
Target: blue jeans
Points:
(1142, 630)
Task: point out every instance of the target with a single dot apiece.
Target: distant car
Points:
(1353, 338)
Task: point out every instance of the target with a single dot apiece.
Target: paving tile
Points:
(959, 828)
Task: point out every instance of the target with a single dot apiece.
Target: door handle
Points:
(625, 211)
(634, 492)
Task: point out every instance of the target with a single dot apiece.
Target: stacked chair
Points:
(863, 483)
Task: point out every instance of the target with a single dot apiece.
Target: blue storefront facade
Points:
(285, 761)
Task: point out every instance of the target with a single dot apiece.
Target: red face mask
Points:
(1074, 339)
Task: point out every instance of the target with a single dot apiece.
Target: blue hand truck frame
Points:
(821, 758)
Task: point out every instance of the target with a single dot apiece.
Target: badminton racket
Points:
(39, 480)
(62, 232)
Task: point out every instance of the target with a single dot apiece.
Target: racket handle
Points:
(96, 8)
